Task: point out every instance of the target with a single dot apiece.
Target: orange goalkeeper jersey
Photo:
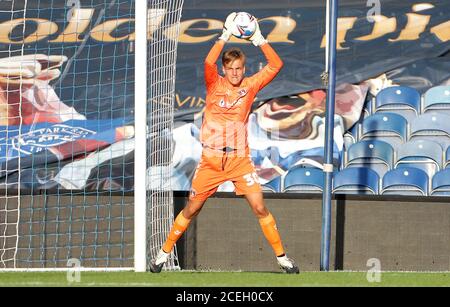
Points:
(228, 107)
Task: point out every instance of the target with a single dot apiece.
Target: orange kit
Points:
(226, 155)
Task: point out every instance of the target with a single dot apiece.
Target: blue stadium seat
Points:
(437, 99)
(423, 154)
(368, 106)
(351, 136)
(389, 127)
(405, 181)
(273, 185)
(356, 180)
(440, 185)
(375, 154)
(304, 179)
(431, 126)
(402, 100)
(447, 158)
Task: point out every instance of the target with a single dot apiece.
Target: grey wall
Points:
(403, 235)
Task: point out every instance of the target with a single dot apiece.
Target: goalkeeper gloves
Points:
(229, 24)
(257, 38)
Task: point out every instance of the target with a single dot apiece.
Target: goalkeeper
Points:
(226, 154)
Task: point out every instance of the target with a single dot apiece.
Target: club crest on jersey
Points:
(242, 92)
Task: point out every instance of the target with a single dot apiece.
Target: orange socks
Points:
(271, 233)
(267, 223)
(179, 226)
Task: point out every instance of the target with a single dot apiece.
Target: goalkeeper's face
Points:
(234, 71)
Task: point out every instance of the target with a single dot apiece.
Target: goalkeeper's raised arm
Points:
(274, 63)
(211, 71)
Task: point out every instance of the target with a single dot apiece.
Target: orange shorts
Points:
(216, 167)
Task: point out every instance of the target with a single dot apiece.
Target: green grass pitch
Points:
(224, 279)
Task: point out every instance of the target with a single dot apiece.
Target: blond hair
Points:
(231, 55)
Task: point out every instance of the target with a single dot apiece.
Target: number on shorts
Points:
(251, 178)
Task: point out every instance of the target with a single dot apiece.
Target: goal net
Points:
(67, 131)
(162, 51)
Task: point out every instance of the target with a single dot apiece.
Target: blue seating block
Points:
(375, 154)
(304, 179)
(440, 185)
(385, 126)
(273, 186)
(398, 99)
(431, 126)
(405, 181)
(423, 154)
(437, 98)
(356, 180)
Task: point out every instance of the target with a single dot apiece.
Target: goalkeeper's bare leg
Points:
(269, 228)
(179, 226)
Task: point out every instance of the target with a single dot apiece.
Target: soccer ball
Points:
(244, 25)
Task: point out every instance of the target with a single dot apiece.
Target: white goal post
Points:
(154, 210)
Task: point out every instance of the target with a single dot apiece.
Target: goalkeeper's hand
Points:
(257, 38)
(229, 24)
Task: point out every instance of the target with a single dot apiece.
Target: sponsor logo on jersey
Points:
(229, 105)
